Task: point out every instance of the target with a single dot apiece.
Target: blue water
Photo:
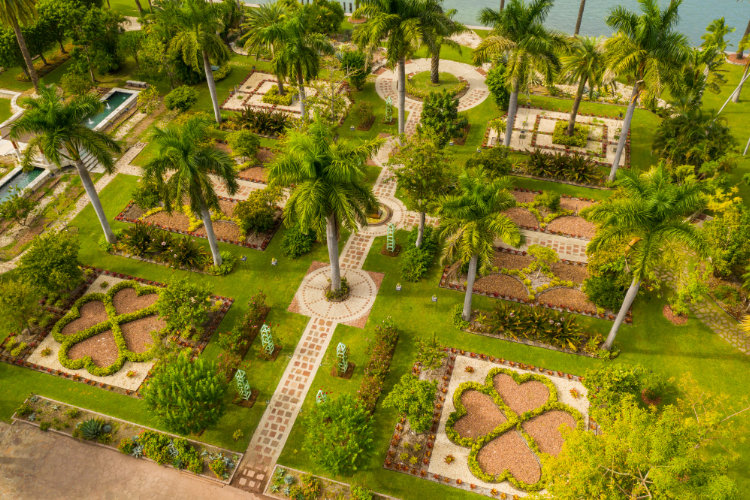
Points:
(111, 103)
(19, 180)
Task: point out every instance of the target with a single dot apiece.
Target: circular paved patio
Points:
(313, 302)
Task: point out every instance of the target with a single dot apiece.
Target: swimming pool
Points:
(18, 179)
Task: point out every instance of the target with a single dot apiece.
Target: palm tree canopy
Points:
(437, 24)
(185, 151)
(518, 33)
(646, 47)
(584, 60)
(471, 220)
(257, 22)
(20, 11)
(328, 178)
(299, 49)
(396, 21)
(648, 213)
(59, 129)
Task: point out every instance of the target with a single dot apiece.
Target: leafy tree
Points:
(646, 49)
(148, 100)
(129, 43)
(17, 207)
(74, 82)
(263, 31)
(14, 13)
(181, 98)
(426, 174)
(498, 86)
(414, 398)
(494, 161)
(328, 185)
(243, 143)
(608, 387)
(185, 305)
(60, 134)
(57, 17)
(728, 233)
(471, 221)
(257, 214)
(19, 302)
(648, 214)
(324, 16)
(518, 34)
(95, 37)
(185, 152)
(693, 137)
(51, 263)
(437, 26)
(339, 434)
(355, 65)
(186, 395)
(440, 119)
(583, 64)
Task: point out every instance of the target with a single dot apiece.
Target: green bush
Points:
(423, 94)
(222, 72)
(182, 98)
(146, 195)
(612, 385)
(261, 121)
(257, 213)
(273, 96)
(296, 242)
(549, 200)
(51, 263)
(415, 399)
(243, 143)
(93, 429)
(495, 161)
(497, 85)
(184, 252)
(185, 305)
(416, 262)
(355, 64)
(604, 291)
(360, 493)
(576, 168)
(579, 138)
(365, 115)
(381, 351)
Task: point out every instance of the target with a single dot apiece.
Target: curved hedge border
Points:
(421, 94)
(112, 323)
(514, 421)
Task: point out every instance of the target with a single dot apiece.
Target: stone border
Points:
(322, 479)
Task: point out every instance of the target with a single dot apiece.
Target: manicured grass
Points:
(5, 111)
(460, 54)
(580, 192)
(446, 81)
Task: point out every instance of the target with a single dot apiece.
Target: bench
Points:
(136, 84)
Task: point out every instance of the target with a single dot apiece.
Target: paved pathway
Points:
(566, 247)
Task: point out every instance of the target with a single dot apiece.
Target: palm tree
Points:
(299, 51)
(518, 33)
(437, 27)
(61, 136)
(744, 44)
(182, 169)
(329, 190)
(648, 214)
(581, 8)
(13, 13)
(197, 25)
(257, 38)
(398, 21)
(741, 49)
(472, 220)
(584, 64)
(647, 50)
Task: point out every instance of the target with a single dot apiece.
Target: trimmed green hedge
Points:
(422, 94)
(273, 96)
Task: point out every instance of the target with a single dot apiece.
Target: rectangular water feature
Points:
(114, 103)
(18, 180)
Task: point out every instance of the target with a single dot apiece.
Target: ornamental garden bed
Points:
(109, 336)
(257, 172)
(226, 227)
(538, 211)
(292, 483)
(492, 421)
(204, 460)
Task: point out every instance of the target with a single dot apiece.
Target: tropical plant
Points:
(415, 399)
(583, 64)
(498, 87)
(262, 29)
(14, 13)
(472, 220)
(693, 137)
(182, 168)
(440, 119)
(647, 50)
(437, 26)
(648, 214)
(328, 185)
(60, 134)
(576, 167)
(92, 428)
(518, 34)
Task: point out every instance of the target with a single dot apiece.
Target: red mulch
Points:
(544, 429)
(575, 204)
(524, 196)
(672, 317)
(520, 398)
(176, 220)
(482, 415)
(522, 217)
(224, 230)
(127, 301)
(567, 297)
(569, 224)
(570, 272)
(137, 333)
(509, 286)
(92, 313)
(101, 348)
(511, 261)
(255, 174)
(510, 452)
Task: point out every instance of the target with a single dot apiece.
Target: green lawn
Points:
(446, 81)
(5, 111)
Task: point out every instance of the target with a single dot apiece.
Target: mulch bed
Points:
(522, 217)
(672, 317)
(91, 313)
(520, 398)
(511, 261)
(247, 403)
(128, 301)
(254, 174)
(347, 375)
(510, 452)
(101, 348)
(573, 226)
(570, 272)
(394, 253)
(502, 284)
(568, 298)
(137, 333)
(544, 430)
(482, 415)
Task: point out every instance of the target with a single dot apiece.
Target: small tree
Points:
(440, 119)
(51, 264)
(185, 305)
(414, 398)
(355, 65)
(148, 100)
(19, 302)
(244, 143)
(257, 214)
(544, 257)
(339, 434)
(186, 396)
(498, 86)
(17, 207)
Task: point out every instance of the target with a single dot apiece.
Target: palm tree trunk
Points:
(435, 65)
(580, 17)
(736, 96)
(502, 5)
(210, 235)
(211, 86)
(332, 238)
(741, 53)
(466, 315)
(420, 231)
(301, 84)
(25, 52)
(512, 110)
(624, 132)
(626, 303)
(401, 86)
(140, 8)
(88, 185)
(280, 84)
(576, 103)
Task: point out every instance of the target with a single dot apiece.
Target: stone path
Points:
(566, 247)
(724, 325)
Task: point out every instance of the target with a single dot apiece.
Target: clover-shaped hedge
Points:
(514, 422)
(113, 322)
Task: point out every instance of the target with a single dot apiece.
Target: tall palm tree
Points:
(518, 32)
(744, 44)
(256, 38)
(646, 49)
(60, 135)
(13, 13)
(328, 179)
(581, 8)
(584, 63)
(397, 21)
(196, 25)
(472, 220)
(437, 27)
(182, 169)
(740, 49)
(648, 214)
(299, 51)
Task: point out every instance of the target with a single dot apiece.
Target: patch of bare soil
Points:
(482, 415)
(575, 204)
(128, 301)
(524, 196)
(92, 313)
(510, 261)
(503, 284)
(520, 397)
(570, 272)
(522, 217)
(224, 230)
(570, 224)
(510, 452)
(544, 429)
(137, 333)
(567, 297)
(101, 348)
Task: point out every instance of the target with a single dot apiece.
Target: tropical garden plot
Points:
(492, 421)
(256, 170)
(551, 213)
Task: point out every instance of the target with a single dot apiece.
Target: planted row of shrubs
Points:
(381, 351)
(416, 262)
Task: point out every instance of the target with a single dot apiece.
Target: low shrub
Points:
(381, 351)
(574, 168)
(273, 96)
(257, 214)
(610, 386)
(365, 116)
(296, 242)
(416, 262)
(181, 98)
(360, 493)
(243, 143)
(222, 72)
(495, 161)
(146, 195)
(549, 200)
(415, 399)
(260, 121)
(579, 139)
(421, 94)
(604, 291)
